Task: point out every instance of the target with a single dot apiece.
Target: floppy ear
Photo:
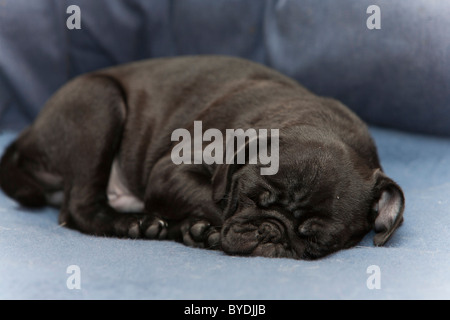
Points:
(225, 181)
(389, 207)
(221, 181)
(224, 187)
(223, 184)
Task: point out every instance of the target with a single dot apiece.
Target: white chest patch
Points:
(119, 197)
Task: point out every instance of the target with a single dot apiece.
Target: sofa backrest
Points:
(397, 76)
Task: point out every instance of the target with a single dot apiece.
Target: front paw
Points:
(147, 227)
(200, 234)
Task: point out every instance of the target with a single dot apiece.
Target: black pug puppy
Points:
(102, 150)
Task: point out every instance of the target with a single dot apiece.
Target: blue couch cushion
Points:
(398, 76)
(36, 252)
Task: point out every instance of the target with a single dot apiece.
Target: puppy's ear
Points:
(224, 188)
(223, 184)
(221, 181)
(389, 206)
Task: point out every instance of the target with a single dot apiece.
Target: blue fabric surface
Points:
(35, 252)
(398, 76)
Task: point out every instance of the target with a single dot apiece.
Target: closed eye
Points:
(298, 213)
(266, 199)
(310, 227)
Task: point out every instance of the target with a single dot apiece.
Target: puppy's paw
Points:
(200, 234)
(147, 227)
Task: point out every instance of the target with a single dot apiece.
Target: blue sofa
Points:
(396, 78)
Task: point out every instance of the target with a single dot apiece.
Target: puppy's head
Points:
(324, 197)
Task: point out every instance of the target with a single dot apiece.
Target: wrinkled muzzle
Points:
(260, 233)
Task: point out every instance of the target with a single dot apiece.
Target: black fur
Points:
(328, 193)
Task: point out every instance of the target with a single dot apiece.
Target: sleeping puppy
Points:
(102, 151)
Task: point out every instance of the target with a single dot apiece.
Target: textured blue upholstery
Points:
(397, 77)
(36, 252)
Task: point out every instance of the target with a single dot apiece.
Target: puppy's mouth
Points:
(266, 235)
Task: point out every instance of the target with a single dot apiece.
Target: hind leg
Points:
(89, 212)
(76, 138)
(17, 179)
(96, 116)
(26, 175)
